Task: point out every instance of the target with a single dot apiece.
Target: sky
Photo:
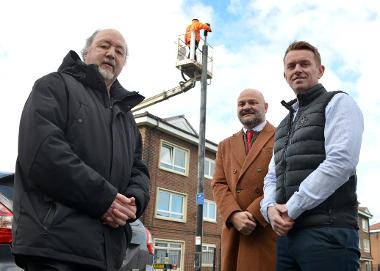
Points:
(247, 43)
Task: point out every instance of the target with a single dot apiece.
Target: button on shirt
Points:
(343, 136)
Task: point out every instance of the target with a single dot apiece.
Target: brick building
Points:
(375, 246)
(170, 149)
(364, 239)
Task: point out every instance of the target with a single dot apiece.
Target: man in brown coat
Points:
(248, 242)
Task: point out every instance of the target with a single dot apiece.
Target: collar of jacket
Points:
(306, 97)
(89, 75)
(310, 95)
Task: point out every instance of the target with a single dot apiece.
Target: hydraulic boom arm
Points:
(183, 87)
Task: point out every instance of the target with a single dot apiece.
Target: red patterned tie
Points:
(249, 138)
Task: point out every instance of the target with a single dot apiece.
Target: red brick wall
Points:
(375, 247)
(365, 256)
(171, 230)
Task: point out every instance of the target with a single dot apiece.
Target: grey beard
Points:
(107, 75)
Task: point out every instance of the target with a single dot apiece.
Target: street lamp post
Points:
(201, 158)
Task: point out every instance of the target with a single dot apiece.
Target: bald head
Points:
(251, 108)
(250, 92)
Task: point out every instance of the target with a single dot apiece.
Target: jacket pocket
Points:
(56, 214)
(76, 123)
(49, 217)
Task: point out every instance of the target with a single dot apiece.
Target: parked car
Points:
(140, 251)
(139, 255)
(6, 216)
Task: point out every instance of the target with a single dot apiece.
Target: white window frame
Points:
(207, 171)
(172, 167)
(206, 209)
(169, 212)
(364, 225)
(368, 266)
(169, 242)
(366, 245)
(208, 247)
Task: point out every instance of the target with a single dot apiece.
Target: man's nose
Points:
(298, 68)
(246, 106)
(111, 52)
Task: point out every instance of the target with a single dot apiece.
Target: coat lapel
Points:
(238, 148)
(264, 136)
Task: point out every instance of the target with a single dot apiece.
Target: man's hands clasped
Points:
(279, 219)
(244, 222)
(121, 210)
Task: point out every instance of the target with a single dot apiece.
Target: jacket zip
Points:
(290, 132)
(111, 135)
(107, 238)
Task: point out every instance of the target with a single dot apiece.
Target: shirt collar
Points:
(258, 128)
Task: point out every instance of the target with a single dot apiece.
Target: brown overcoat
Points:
(238, 186)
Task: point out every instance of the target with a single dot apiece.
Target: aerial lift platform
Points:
(189, 62)
(189, 59)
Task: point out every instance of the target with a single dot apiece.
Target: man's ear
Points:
(84, 54)
(321, 70)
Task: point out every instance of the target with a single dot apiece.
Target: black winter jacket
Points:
(78, 147)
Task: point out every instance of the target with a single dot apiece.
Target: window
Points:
(209, 211)
(209, 168)
(208, 252)
(168, 252)
(368, 266)
(364, 225)
(366, 245)
(173, 158)
(170, 205)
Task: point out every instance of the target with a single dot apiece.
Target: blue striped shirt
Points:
(343, 136)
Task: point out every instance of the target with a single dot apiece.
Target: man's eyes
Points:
(120, 52)
(302, 64)
(248, 102)
(104, 46)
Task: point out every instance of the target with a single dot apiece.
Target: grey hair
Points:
(89, 42)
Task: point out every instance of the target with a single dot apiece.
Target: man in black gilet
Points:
(310, 189)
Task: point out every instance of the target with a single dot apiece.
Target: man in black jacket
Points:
(79, 176)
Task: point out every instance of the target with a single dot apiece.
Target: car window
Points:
(7, 191)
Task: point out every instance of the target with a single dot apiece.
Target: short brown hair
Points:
(303, 45)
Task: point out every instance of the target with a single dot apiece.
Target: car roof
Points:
(5, 174)
(6, 178)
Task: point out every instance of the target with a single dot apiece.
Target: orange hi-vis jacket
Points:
(195, 26)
